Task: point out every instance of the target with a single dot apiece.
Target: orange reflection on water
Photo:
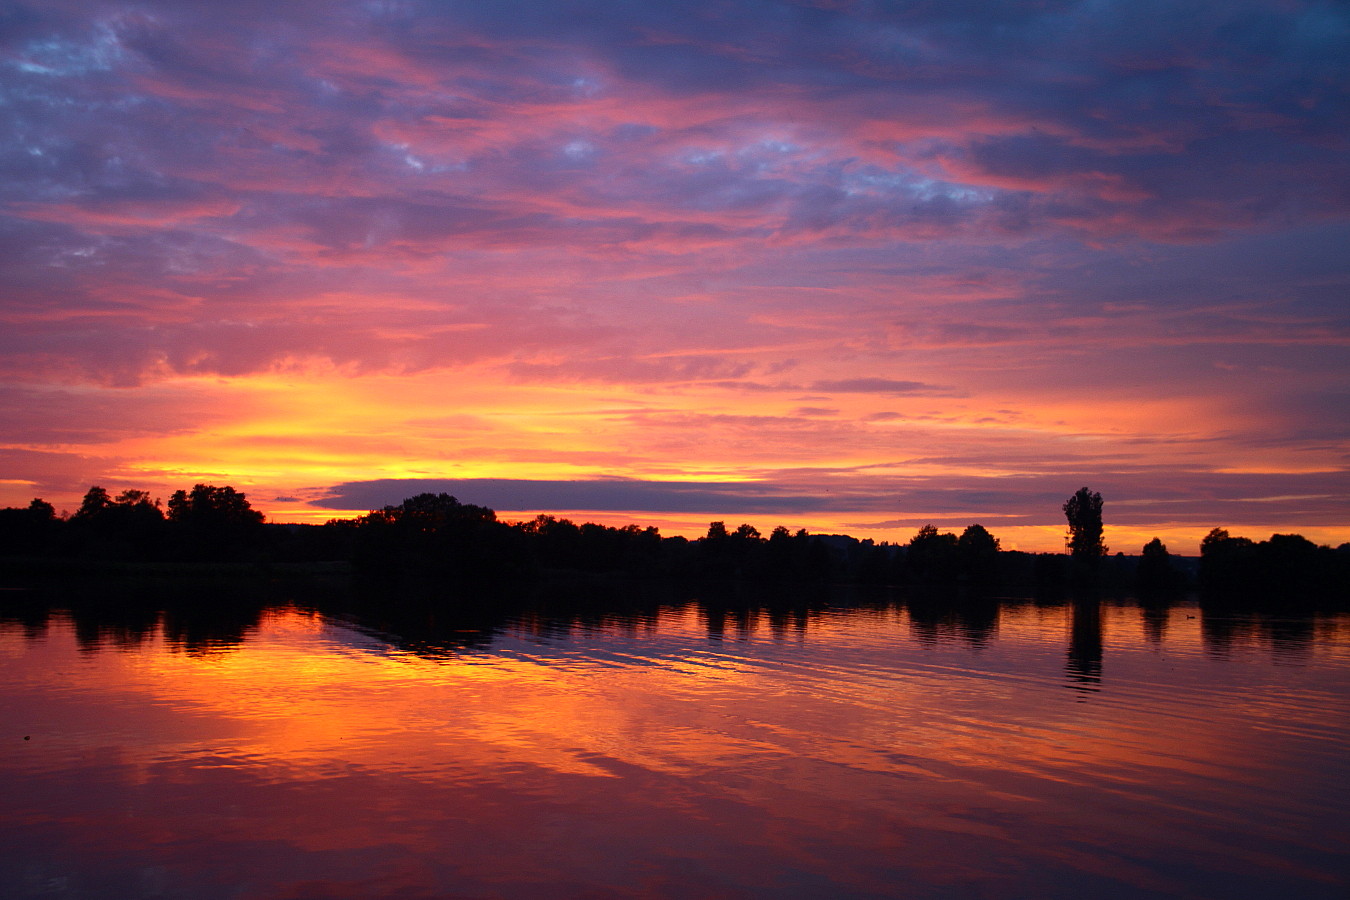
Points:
(728, 750)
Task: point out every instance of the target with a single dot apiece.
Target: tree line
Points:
(434, 535)
(207, 523)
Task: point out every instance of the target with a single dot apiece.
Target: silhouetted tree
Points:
(1296, 569)
(715, 552)
(746, 532)
(977, 554)
(871, 563)
(1225, 561)
(34, 529)
(780, 550)
(735, 554)
(1155, 571)
(930, 556)
(556, 542)
(212, 522)
(128, 527)
(810, 558)
(1289, 553)
(211, 506)
(96, 501)
(435, 534)
(1288, 570)
(1084, 512)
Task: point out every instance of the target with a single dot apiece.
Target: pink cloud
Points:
(1066, 231)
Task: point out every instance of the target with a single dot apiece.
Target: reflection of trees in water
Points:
(195, 615)
(726, 611)
(433, 619)
(593, 604)
(1287, 636)
(936, 616)
(740, 620)
(99, 625)
(736, 612)
(1218, 630)
(210, 613)
(25, 610)
(215, 628)
(1287, 624)
(1084, 665)
(100, 615)
(785, 623)
(1291, 638)
(1154, 614)
(428, 632)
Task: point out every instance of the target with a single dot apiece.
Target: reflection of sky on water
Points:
(871, 752)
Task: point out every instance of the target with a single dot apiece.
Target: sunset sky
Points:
(848, 266)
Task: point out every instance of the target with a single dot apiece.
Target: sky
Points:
(848, 266)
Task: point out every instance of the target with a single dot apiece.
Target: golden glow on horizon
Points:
(296, 433)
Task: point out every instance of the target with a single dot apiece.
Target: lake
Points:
(825, 749)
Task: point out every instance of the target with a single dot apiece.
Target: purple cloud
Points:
(1016, 222)
(1195, 499)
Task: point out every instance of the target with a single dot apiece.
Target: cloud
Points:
(73, 416)
(1003, 234)
(1194, 499)
(635, 371)
(598, 495)
(872, 386)
(884, 386)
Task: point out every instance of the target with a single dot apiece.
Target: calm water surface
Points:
(890, 751)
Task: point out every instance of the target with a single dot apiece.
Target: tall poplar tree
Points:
(1084, 512)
